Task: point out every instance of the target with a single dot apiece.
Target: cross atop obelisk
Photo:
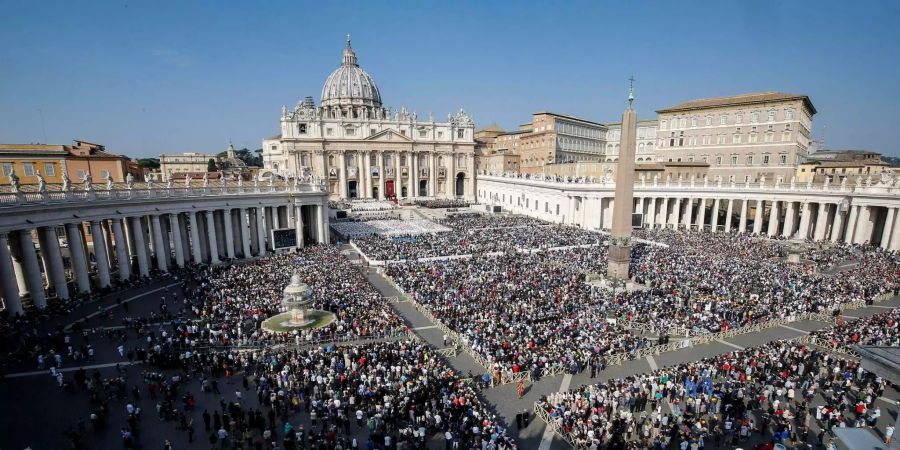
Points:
(623, 206)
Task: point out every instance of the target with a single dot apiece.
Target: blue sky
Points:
(146, 78)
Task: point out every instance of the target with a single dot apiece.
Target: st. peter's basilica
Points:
(365, 150)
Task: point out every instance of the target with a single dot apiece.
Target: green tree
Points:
(211, 165)
(150, 163)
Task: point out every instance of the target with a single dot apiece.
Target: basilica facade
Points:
(365, 150)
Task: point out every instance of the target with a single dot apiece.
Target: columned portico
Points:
(821, 222)
(177, 239)
(32, 269)
(229, 233)
(100, 254)
(758, 219)
(79, 260)
(56, 273)
(8, 285)
(161, 250)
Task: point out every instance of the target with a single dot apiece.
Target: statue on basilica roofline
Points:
(129, 180)
(42, 184)
(14, 182)
(88, 182)
(66, 182)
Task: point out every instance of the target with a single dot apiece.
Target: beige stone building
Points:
(646, 141)
(837, 165)
(187, 162)
(554, 138)
(499, 162)
(743, 137)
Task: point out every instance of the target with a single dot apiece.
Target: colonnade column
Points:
(32, 269)
(8, 284)
(664, 213)
(320, 224)
(895, 233)
(195, 238)
(701, 215)
(863, 230)
(790, 211)
(124, 263)
(177, 239)
(100, 253)
(838, 225)
(298, 222)
(888, 226)
(414, 175)
(261, 229)
(805, 212)
(676, 211)
(851, 225)
(652, 212)
(211, 237)
(398, 179)
(245, 235)
(432, 174)
(742, 222)
(757, 221)
(79, 261)
(688, 212)
(821, 222)
(714, 220)
(381, 176)
(773, 219)
(162, 262)
(53, 257)
(229, 233)
(728, 211)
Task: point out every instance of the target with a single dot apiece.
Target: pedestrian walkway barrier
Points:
(539, 411)
(833, 347)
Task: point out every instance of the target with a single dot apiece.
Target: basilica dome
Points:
(350, 86)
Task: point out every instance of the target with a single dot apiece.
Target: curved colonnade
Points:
(140, 229)
(838, 213)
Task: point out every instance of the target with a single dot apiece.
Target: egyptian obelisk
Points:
(620, 245)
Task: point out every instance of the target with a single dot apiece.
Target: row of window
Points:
(766, 159)
(349, 131)
(388, 161)
(577, 130)
(30, 169)
(709, 119)
(736, 138)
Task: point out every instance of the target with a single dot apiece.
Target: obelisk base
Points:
(619, 261)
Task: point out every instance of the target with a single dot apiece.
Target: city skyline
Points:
(192, 78)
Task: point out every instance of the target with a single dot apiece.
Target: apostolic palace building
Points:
(365, 150)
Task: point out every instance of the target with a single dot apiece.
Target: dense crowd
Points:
(722, 400)
(712, 281)
(230, 303)
(880, 329)
(520, 312)
(387, 395)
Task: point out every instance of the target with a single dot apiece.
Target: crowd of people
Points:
(382, 395)
(879, 330)
(714, 281)
(722, 400)
(520, 312)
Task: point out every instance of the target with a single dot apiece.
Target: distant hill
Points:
(894, 161)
